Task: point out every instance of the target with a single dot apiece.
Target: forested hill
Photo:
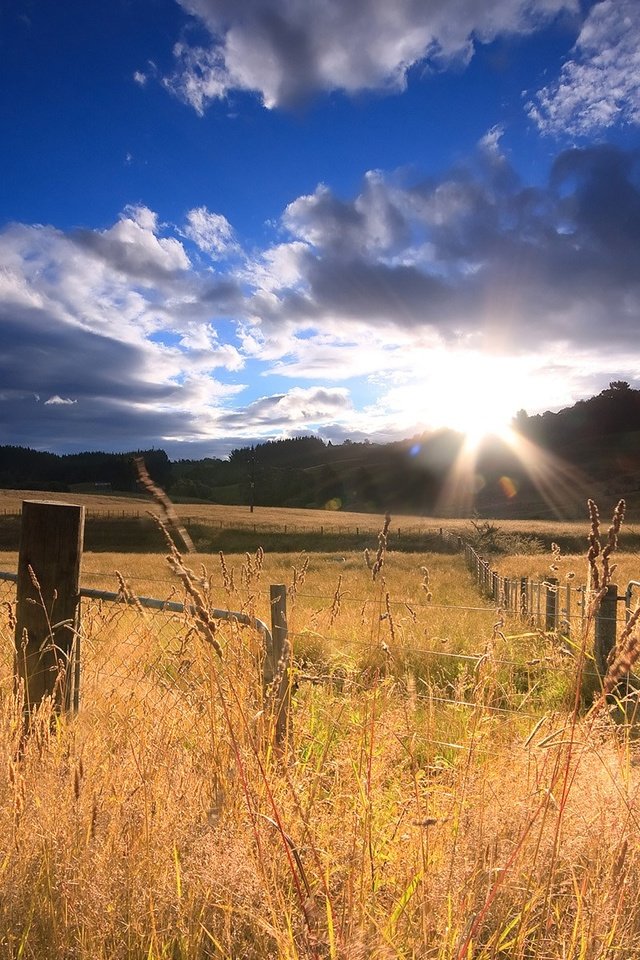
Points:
(598, 438)
(25, 469)
(614, 411)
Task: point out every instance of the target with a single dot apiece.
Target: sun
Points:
(479, 412)
(475, 394)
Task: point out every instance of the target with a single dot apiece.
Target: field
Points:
(122, 523)
(443, 792)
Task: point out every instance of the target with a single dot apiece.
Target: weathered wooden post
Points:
(605, 629)
(46, 638)
(567, 612)
(539, 606)
(524, 597)
(276, 664)
(551, 604)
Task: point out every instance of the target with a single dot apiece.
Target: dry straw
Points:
(382, 547)
(160, 498)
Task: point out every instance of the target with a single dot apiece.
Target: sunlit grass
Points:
(424, 805)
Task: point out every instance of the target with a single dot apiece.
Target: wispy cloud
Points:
(599, 86)
(211, 232)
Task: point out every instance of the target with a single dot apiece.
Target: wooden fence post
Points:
(605, 629)
(46, 638)
(276, 664)
(567, 611)
(524, 597)
(551, 604)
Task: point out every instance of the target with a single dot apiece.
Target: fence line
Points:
(540, 603)
(545, 605)
(397, 532)
(421, 604)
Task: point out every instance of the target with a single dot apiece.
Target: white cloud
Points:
(278, 267)
(372, 223)
(146, 219)
(600, 85)
(57, 401)
(199, 77)
(211, 232)
(116, 330)
(142, 77)
(297, 410)
(287, 50)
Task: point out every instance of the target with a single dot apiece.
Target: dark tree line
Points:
(25, 469)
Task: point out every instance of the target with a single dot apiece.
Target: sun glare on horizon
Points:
(475, 394)
(478, 396)
(477, 415)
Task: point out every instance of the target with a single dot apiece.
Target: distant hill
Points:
(591, 448)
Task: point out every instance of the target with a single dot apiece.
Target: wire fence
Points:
(546, 604)
(140, 655)
(144, 647)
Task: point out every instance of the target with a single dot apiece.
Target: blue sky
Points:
(223, 221)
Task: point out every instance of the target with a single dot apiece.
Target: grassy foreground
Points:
(438, 796)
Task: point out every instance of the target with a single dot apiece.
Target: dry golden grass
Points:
(279, 517)
(569, 568)
(158, 823)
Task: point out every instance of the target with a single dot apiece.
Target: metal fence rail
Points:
(136, 650)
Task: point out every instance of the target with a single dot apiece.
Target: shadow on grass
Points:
(141, 535)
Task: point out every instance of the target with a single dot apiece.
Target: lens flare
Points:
(556, 482)
(508, 487)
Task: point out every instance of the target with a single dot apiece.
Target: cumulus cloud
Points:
(472, 258)
(371, 223)
(132, 246)
(381, 295)
(600, 85)
(299, 408)
(287, 50)
(115, 329)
